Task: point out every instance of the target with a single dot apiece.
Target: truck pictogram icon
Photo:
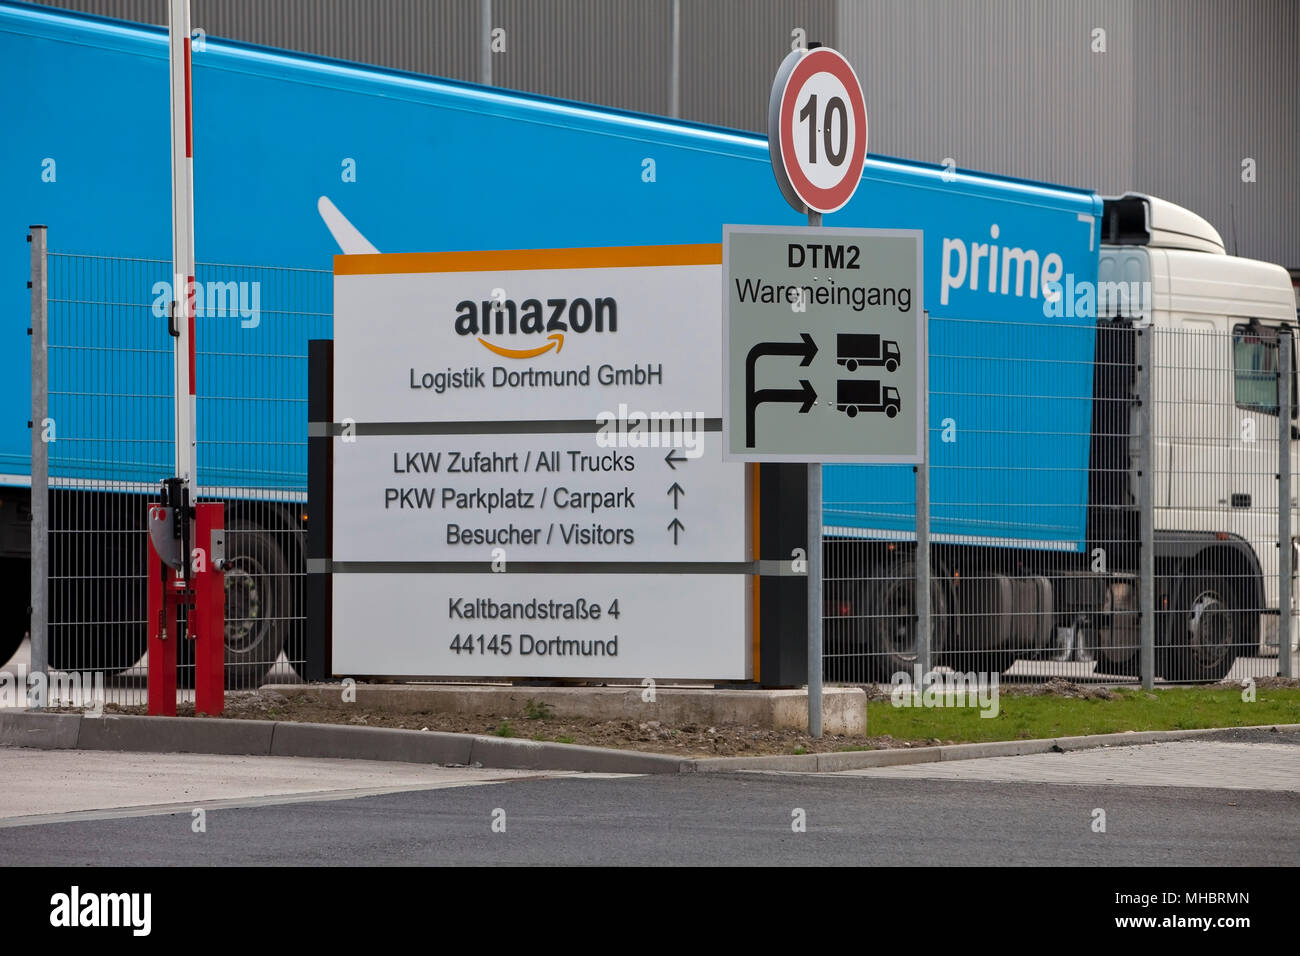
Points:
(855, 349)
(853, 396)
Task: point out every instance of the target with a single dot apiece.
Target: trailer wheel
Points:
(257, 607)
(892, 624)
(851, 365)
(1208, 633)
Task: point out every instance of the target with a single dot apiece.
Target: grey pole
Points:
(1146, 509)
(1284, 568)
(485, 66)
(40, 541)
(923, 610)
(814, 581)
(675, 92)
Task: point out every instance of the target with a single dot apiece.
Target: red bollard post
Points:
(163, 633)
(208, 614)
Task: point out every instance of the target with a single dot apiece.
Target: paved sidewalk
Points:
(42, 784)
(1190, 763)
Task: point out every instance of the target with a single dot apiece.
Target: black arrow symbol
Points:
(805, 395)
(806, 349)
(676, 491)
(672, 461)
(675, 527)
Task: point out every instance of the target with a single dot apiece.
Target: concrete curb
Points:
(174, 735)
(865, 759)
(128, 732)
(47, 731)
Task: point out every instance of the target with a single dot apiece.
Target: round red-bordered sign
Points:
(825, 196)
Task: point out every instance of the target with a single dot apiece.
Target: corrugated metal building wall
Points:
(1182, 94)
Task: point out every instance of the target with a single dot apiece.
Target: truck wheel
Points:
(257, 607)
(16, 588)
(851, 365)
(891, 411)
(1208, 633)
(892, 620)
(10, 638)
(845, 626)
(891, 366)
(851, 411)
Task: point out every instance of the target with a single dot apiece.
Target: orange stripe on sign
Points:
(603, 257)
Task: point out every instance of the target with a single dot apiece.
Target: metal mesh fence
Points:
(110, 409)
(1056, 451)
(1040, 459)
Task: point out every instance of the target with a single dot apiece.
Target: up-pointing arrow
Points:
(676, 527)
(676, 491)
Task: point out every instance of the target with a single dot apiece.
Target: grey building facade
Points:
(1195, 101)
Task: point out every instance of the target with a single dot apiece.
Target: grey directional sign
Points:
(824, 347)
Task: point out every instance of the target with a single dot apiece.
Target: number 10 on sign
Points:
(817, 130)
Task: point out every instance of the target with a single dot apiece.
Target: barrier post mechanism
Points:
(208, 618)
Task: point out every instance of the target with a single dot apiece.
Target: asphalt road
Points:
(702, 819)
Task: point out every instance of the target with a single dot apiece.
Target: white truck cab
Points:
(1218, 319)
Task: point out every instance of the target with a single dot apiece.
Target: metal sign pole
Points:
(814, 581)
(924, 624)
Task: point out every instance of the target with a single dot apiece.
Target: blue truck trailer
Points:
(298, 158)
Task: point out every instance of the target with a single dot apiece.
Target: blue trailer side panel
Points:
(450, 166)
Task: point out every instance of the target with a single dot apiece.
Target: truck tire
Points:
(10, 638)
(891, 626)
(1209, 631)
(17, 594)
(258, 607)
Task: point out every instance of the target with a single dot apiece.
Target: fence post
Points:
(40, 541)
(1284, 569)
(1146, 509)
(924, 624)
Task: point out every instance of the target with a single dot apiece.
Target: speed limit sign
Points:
(817, 129)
